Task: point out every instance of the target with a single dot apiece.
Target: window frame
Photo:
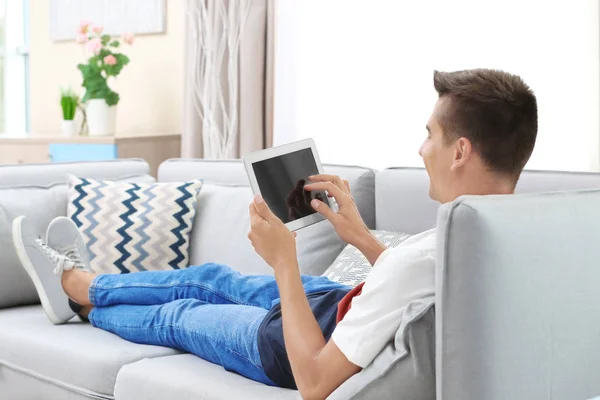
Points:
(16, 67)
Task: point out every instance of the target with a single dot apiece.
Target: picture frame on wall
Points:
(117, 16)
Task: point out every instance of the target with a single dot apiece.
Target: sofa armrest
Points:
(517, 297)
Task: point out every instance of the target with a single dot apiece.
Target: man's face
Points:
(438, 154)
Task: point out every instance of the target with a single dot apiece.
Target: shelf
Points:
(58, 139)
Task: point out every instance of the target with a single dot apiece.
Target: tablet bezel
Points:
(277, 151)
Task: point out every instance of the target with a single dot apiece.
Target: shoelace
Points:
(72, 253)
(61, 262)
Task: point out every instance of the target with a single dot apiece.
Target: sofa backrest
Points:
(403, 204)
(517, 298)
(222, 221)
(40, 193)
(47, 174)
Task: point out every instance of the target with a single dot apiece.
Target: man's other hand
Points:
(271, 239)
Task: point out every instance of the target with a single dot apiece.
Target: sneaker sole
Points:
(17, 238)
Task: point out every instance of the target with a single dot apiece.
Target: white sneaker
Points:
(64, 237)
(45, 267)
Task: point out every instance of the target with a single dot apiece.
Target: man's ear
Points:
(462, 153)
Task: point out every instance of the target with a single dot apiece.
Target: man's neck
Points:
(485, 185)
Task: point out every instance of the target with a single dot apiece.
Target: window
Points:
(2, 40)
(13, 67)
(357, 76)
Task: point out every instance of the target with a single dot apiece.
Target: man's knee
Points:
(177, 309)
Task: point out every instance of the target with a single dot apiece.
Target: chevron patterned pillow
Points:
(131, 227)
(351, 267)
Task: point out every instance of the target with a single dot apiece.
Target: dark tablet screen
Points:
(281, 181)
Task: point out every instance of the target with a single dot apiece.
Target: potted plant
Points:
(69, 101)
(104, 63)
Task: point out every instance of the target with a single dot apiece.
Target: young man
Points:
(291, 330)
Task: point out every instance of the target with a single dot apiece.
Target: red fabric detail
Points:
(346, 302)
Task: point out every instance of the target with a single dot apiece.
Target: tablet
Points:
(279, 175)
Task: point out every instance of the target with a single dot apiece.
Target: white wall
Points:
(361, 81)
(151, 86)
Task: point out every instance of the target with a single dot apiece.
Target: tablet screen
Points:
(281, 181)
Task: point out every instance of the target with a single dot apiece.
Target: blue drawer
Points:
(82, 152)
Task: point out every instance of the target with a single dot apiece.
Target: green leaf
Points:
(115, 43)
(105, 39)
(112, 98)
(103, 53)
(68, 103)
(114, 70)
(122, 59)
(96, 87)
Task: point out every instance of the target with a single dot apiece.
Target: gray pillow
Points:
(405, 368)
(40, 204)
(351, 267)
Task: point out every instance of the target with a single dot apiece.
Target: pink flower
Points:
(97, 29)
(94, 45)
(81, 38)
(83, 26)
(128, 38)
(110, 60)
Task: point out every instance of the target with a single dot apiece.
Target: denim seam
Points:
(168, 286)
(219, 343)
(92, 290)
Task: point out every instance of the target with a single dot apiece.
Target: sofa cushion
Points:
(403, 203)
(134, 226)
(45, 174)
(232, 172)
(41, 202)
(16, 384)
(222, 222)
(40, 205)
(351, 267)
(221, 229)
(187, 377)
(75, 355)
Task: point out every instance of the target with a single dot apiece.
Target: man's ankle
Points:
(65, 281)
(75, 284)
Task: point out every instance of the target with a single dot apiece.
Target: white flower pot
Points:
(101, 119)
(69, 129)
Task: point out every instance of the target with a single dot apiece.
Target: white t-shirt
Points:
(399, 276)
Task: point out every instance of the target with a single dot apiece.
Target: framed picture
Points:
(117, 16)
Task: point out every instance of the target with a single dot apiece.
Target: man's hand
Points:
(271, 239)
(347, 222)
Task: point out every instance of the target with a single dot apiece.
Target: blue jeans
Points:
(211, 311)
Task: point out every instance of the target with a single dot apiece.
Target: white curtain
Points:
(228, 105)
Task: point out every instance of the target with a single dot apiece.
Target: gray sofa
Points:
(517, 303)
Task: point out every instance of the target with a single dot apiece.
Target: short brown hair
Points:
(495, 110)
